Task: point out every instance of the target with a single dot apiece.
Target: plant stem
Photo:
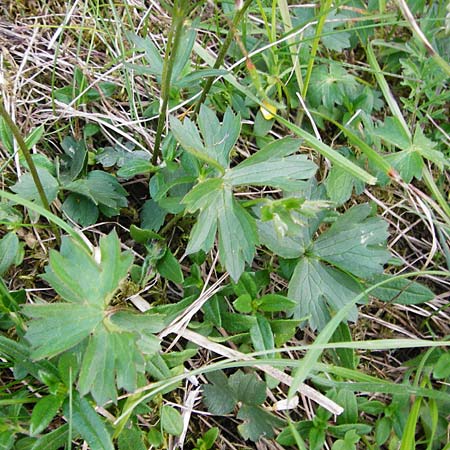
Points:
(431, 185)
(31, 166)
(287, 23)
(26, 153)
(222, 53)
(173, 41)
(315, 45)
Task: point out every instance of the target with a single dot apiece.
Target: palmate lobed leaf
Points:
(109, 356)
(325, 276)
(316, 287)
(58, 327)
(101, 188)
(216, 141)
(354, 243)
(219, 211)
(117, 341)
(78, 278)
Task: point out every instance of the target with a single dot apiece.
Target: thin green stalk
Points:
(384, 86)
(222, 53)
(315, 45)
(173, 41)
(284, 10)
(26, 153)
(431, 185)
(31, 166)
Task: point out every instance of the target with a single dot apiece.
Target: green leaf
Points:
(143, 323)
(169, 267)
(218, 139)
(116, 341)
(87, 423)
(131, 439)
(152, 216)
(43, 412)
(344, 357)
(65, 94)
(393, 133)
(59, 327)
(106, 89)
(183, 51)
(426, 148)
(401, 291)
(6, 136)
(97, 370)
(218, 396)
(208, 439)
(198, 75)
(135, 167)
(237, 235)
(54, 440)
(101, 188)
(258, 423)
(243, 304)
(34, 137)
(77, 277)
(171, 420)
(340, 184)
(408, 164)
(331, 84)
(348, 443)
(262, 336)
(284, 246)
(203, 194)
(273, 166)
(187, 135)
(9, 250)
(80, 209)
(316, 288)
(442, 368)
(275, 303)
(283, 173)
(283, 330)
(247, 388)
(355, 243)
(332, 36)
(154, 60)
(155, 438)
(27, 189)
